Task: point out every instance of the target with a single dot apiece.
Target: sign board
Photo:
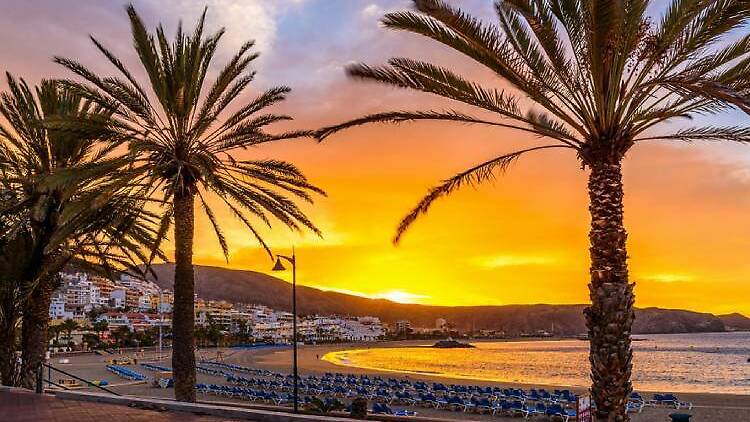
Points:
(583, 409)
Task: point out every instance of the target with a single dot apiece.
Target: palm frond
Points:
(472, 177)
(397, 117)
(739, 134)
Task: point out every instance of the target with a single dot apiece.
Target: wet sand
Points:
(707, 407)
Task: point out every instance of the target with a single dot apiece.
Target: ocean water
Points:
(710, 363)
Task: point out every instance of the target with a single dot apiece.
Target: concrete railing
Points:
(226, 410)
(203, 409)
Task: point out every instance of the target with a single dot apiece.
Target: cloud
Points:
(668, 277)
(498, 261)
(371, 10)
(244, 20)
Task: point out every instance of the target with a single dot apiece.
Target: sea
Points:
(699, 363)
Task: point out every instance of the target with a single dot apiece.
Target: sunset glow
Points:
(521, 239)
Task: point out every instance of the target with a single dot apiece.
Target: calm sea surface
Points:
(716, 362)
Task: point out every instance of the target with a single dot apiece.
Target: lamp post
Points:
(161, 324)
(280, 267)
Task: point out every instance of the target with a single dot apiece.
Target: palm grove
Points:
(590, 77)
(96, 170)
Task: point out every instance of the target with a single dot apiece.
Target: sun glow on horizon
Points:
(398, 296)
(401, 296)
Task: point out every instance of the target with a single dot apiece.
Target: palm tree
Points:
(99, 327)
(600, 77)
(55, 331)
(64, 200)
(68, 326)
(121, 335)
(183, 150)
(13, 259)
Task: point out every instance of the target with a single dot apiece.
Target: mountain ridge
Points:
(235, 286)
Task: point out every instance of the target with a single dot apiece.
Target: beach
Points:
(706, 406)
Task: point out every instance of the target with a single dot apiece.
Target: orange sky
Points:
(522, 239)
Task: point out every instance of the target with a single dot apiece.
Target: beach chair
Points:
(427, 400)
(486, 392)
(555, 410)
(569, 414)
(636, 397)
(538, 409)
(483, 405)
(405, 398)
(455, 403)
(516, 408)
(384, 409)
(568, 397)
(669, 400)
(441, 401)
(634, 406)
(534, 395)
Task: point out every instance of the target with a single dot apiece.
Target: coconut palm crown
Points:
(65, 200)
(182, 134)
(600, 77)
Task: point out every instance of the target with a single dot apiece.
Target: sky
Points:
(521, 239)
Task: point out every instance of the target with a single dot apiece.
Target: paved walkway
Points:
(30, 407)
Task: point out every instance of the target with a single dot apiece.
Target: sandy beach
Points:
(707, 407)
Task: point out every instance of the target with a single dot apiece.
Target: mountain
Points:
(735, 322)
(237, 286)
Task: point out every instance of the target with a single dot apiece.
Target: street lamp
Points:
(161, 323)
(280, 267)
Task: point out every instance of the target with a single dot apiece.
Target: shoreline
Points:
(311, 362)
(707, 406)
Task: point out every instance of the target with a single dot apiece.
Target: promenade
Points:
(22, 406)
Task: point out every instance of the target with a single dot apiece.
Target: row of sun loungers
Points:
(212, 371)
(466, 398)
(244, 393)
(126, 373)
(154, 367)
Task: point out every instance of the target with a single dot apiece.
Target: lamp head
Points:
(278, 266)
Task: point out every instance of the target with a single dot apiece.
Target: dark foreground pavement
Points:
(22, 406)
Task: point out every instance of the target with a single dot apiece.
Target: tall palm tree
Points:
(99, 327)
(13, 260)
(64, 200)
(182, 139)
(68, 326)
(599, 76)
(54, 331)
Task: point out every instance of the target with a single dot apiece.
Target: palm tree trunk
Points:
(34, 331)
(610, 316)
(8, 323)
(183, 319)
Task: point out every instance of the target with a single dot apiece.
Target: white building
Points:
(144, 303)
(403, 326)
(57, 306)
(118, 298)
(362, 329)
(79, 291)
(440, 324)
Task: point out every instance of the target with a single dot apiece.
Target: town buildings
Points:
(140, 305)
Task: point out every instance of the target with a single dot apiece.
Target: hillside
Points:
(253, 287)
(735, 322)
